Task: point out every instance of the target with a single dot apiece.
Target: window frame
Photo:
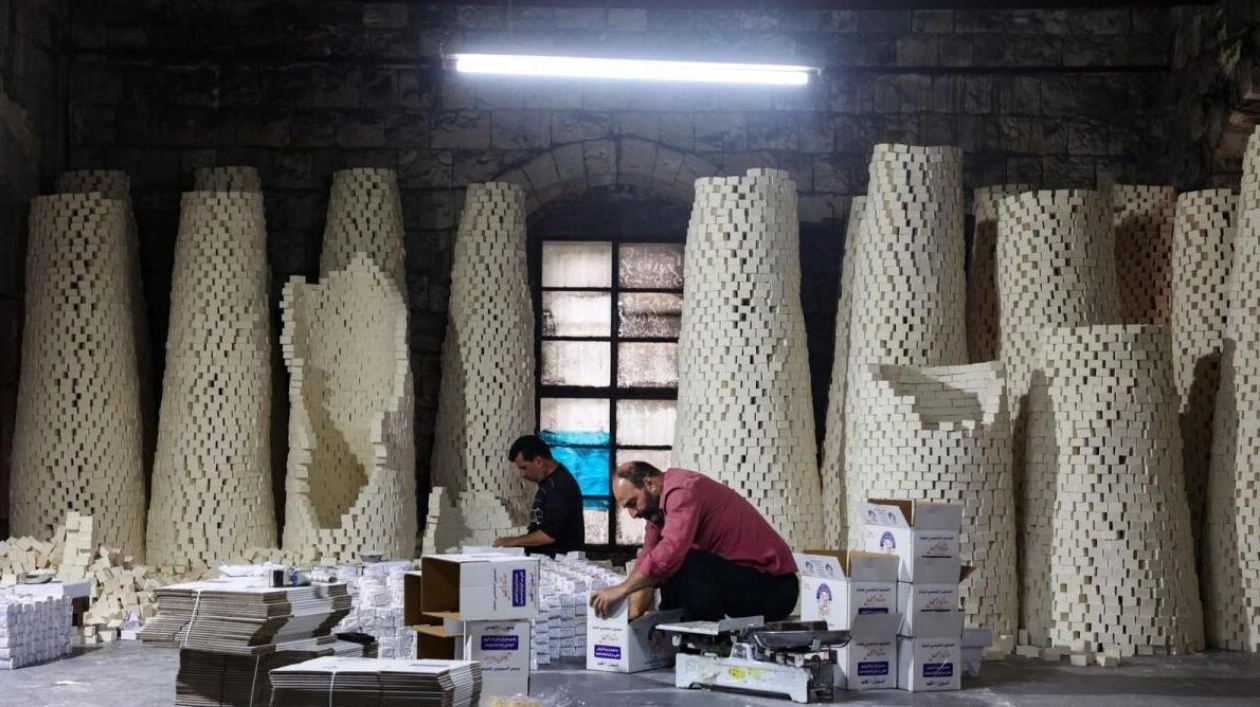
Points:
(611, 392)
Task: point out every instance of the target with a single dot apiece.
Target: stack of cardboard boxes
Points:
(33, 629)
(476, 607)
(924, 538)
(856, 592)
(898, 598)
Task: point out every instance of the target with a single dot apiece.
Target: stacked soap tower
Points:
(1203, 250)
(832, 469)
(487, 395)
(1109, 564)
(351, 484)
(212, 496)
(909, 288)
(1142, 217)
(1232, 606)
(983, 312)
(744, 410)
(78, 439)
(942, 434)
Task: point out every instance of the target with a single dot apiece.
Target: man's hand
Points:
(605, 599)
(503, 542)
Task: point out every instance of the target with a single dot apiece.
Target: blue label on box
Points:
(873, 610)
(500, 643)
(938, 670)
(610, 652)
(519, 580)
(873, 668)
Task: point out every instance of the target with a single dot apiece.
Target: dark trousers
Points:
(709, 588)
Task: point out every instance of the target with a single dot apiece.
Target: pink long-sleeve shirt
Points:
(702, 514)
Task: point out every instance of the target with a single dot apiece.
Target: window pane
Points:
(630, 531)
(577, 264)
(596, 526)
(647, 315)
(591, 415)
(647, 365)
(577, 431)
(589, 466)
(654, 265)
(576, 314)
(659, 458)
(580, 363)
(649, 423)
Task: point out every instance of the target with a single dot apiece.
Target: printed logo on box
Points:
(823, 597)
(872, 668)
(518, 587)
(887, 542)
(500, 643)
(609, 652)
(938, 670)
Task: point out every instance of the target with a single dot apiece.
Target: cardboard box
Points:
(471, 588)
(931, 610)
(929, 664)
(617, 645)
(837, 586)
(923, 535)
(869, 660)
(502, 648)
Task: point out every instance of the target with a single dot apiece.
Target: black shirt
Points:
(557, 512)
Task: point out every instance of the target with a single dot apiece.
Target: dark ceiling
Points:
(827, 4)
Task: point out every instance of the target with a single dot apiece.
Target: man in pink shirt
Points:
(707, 548)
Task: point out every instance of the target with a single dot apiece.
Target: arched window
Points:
(608, 298)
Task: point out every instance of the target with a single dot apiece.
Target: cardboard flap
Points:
(871, 566)
(436, 631)
(889, 513)
(929, 515)
(874, 628)
(412, 606)
(824, 564)
(439, 591)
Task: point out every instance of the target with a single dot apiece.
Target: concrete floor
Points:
(130, 675)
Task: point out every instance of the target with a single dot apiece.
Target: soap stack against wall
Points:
(486, 399)
(350, 486)
(1093, 407)
(745, 412)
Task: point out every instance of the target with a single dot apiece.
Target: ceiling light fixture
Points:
(633, 69)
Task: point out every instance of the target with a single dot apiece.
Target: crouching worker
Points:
(706, 547)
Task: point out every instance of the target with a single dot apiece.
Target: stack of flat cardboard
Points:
(355, 682)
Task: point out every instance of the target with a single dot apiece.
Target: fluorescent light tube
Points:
(634, 69)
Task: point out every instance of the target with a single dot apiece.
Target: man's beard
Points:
(652, 511)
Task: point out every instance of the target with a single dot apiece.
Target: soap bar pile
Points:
(33, 629)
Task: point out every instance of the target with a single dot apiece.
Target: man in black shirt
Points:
(556, 525)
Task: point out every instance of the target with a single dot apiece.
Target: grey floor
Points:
(130, 675)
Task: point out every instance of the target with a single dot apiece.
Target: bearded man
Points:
(706, 547)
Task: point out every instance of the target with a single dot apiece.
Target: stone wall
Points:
(300, 88)
(32, 106)
(1214, 90)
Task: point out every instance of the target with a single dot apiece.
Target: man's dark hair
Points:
(636, 472)
(530, 447)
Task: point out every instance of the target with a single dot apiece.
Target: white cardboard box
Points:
(502, 648)
(931, 610)
(479, 587)
(929, 664)
(616, 645)
(869, 660)
(923, 535)
(837, 586)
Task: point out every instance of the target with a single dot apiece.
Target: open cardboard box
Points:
(922, 534)
(838, 585)
(617, 645)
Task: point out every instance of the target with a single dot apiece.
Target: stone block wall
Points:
(32, 149)
(301, 88)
